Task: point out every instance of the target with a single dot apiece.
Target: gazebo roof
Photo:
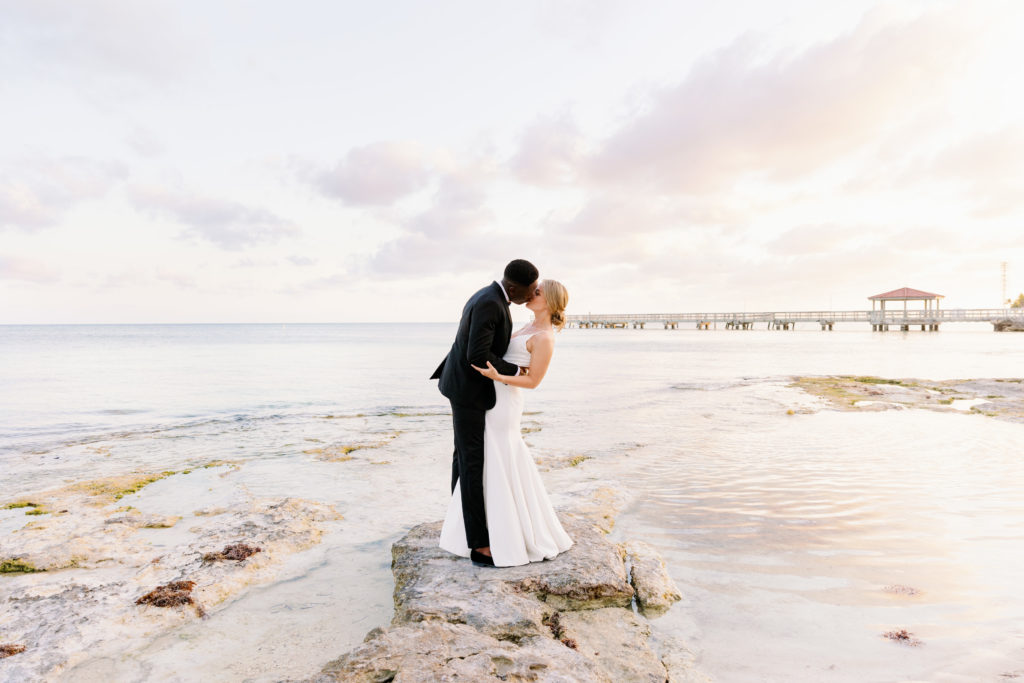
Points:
(905, 294)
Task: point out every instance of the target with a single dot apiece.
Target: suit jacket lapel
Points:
(502, 299)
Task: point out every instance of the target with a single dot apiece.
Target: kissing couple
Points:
(499, 513)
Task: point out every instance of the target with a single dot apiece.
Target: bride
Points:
(520, 519)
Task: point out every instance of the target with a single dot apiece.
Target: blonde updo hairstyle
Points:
(557, 298)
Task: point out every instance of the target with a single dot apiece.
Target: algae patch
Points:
(33, 508)
(116, 488)
(16, 566)
(868, 393)
(236, 552)
(343, 452)
(876, 380)
(10, 649)
(843, 391)
(902, 636)
(172, 594)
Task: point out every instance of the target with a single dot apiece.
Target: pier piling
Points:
(929, 320)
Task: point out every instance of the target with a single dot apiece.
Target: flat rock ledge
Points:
(655, 589)
(566, 619)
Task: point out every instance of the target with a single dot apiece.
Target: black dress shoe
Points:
(481, 560)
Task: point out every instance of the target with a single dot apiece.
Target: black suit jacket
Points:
(483, 335)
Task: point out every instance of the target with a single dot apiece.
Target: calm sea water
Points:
(781, 530)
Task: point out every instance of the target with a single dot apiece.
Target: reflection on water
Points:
(797, 540)
(786, 536)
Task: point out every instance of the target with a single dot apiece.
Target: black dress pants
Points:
(468, 471)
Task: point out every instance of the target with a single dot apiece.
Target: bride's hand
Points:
(490, 372)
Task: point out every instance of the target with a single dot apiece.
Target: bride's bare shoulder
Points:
(542, 339)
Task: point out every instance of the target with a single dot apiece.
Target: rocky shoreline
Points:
(1002, 398)
(579, 617)
(89, 576)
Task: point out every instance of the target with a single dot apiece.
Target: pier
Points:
(879, 317)
(880, 320)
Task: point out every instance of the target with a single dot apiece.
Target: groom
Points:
(484, 333)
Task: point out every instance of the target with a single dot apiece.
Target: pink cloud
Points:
(376, 174)
(35, 193)
(447, 236)
(15, 268)
(550, 153)
(817, 239)
(224, 222)
(739, 113)
(990, 168)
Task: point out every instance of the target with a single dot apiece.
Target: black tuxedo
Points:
(483, 335)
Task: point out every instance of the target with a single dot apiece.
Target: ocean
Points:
(785, 523)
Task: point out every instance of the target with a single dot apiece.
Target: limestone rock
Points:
(134, 518)
(680, 663)
(506, 602)
(567, 619)
(437, 651)
(618, 639)
(98, 564)
(655, 589)
(601, 506)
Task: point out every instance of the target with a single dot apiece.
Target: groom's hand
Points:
(524, 371)
(490, 371)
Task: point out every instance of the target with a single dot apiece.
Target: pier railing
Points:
(788, 319)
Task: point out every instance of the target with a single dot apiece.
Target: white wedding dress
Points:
(521, 522)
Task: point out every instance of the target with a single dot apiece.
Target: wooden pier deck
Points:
(999, 318)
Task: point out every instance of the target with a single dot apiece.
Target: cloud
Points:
(741, 114)
(454, 233)
(226, 223)
(376, 174)
(817, 239)
(138, 277)
(606, 231)
(294, 259)
(616, 215)
(550, 153)
(989, 167)
(15, 268)
(104, 38)
(177, 278)
(337, 281)
(35, 193)
(144, 142)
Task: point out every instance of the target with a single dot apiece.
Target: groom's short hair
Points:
(521, 272)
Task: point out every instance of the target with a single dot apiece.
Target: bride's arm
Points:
(540, 358)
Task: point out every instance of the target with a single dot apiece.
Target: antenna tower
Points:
(1004, 300)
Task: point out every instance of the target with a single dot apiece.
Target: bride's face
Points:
(537, 302)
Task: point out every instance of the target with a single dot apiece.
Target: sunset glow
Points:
(262, 162)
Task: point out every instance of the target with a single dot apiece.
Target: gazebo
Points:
(931, 306)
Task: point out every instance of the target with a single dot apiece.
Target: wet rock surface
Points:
(655, 589)
(566, 619)
(1002, 398)
(103, 579)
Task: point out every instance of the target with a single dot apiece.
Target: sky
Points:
(313, 161)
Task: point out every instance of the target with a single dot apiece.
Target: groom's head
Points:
(520, 281)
